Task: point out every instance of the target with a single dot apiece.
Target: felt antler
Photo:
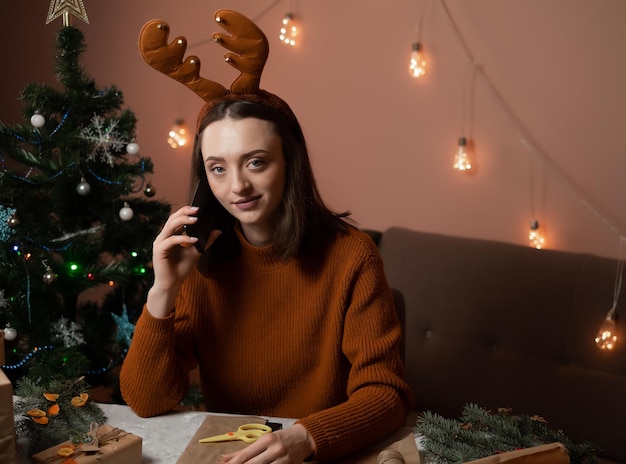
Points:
(250, 48)
(248, 44)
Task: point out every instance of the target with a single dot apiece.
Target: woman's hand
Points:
(173, 256)
(288, 446)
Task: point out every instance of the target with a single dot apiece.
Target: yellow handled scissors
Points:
(246, 432)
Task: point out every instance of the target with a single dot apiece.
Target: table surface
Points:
(164, 437)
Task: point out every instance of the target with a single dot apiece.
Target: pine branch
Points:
(72, 421)
(69, 69)
(480, 433)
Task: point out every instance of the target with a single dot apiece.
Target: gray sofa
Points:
(504, 325)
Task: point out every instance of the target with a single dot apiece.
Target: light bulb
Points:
(178, 134)
(417, 65)
(288, 30)
(461, 160)
(536, 239)
(607, 335)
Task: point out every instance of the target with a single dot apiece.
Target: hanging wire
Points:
(531, 182)
(570, 184)
(467, 99)
(457, 31)
(293, 6)
(265, 11)
(420, 22)
(618, 274)
(526, 138)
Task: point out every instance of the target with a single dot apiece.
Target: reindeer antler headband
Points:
(249, 48)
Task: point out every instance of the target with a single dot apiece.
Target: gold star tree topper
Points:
(64, 8)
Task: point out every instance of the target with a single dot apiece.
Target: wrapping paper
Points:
(402, 440)
(122, 448)
(7, 424)
(211, 452)
(552, 453)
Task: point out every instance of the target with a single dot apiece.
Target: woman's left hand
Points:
(288, 446)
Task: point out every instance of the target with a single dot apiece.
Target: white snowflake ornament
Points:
(105, 137)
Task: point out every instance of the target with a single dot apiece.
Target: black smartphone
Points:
(205, 223)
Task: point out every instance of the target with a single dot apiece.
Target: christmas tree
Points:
(76, 214)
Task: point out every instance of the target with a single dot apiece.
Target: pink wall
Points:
(382, 143)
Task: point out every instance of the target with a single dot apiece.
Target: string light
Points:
(536, 239)
(417, 63)
(178, 134)
(525, 136)
(38, 349)
(607, 336)
(15, 248)
(461, 160)
(288, 30)
(26, 358)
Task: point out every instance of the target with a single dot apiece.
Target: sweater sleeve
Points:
(155, 374)
(378, 397)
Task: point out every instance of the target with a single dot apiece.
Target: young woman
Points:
(287, 312)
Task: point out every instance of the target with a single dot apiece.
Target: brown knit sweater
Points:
(314, 339)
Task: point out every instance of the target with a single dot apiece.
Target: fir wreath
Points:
(479, 433)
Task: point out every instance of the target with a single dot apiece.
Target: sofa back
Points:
(504, 325)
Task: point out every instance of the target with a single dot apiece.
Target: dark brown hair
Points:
(302, 220)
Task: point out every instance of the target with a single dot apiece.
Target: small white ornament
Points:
(83, 188)
(132, 148)
(37, 120)
(13, 222)
(10, 333)
(49, 276)
(126, 213)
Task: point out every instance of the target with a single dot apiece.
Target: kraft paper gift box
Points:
(7, 424)
(115, 446)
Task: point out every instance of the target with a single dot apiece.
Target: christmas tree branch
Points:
(480, 433)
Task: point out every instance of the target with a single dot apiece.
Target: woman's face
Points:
(245, 166)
